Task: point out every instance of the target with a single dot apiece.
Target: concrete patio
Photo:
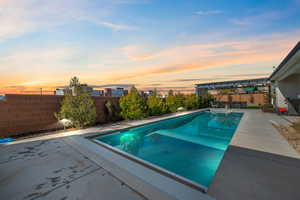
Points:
(259, 164)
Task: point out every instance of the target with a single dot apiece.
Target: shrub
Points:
(133, 106)
(192, 102)
(79, 109)
(204, 102)
(156, 105)
(113, 111)
(173, 102)
(268, 108)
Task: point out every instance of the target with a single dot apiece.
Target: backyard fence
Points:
(20, 114)
(248, 99)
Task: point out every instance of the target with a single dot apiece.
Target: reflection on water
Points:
(131, 142)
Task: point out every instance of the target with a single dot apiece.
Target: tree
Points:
(170, 93)
(133, 106)
(156, 105)
(74, 82)
(174, 102)
(113, 111)
(204, 101)
(79, 109)
(191, 102)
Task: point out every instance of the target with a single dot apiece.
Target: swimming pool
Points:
(191, 146)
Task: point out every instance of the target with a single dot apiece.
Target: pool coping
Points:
(92, 135)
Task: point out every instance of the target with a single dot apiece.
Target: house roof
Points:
(236, 83)
(286, 59)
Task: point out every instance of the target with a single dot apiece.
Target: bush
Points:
(79, 109)
(113, 111)
(133, 106)
(156, 106)
(173, 102)
(267, 108)
(253, 107)
(204, 102)
(192, 102)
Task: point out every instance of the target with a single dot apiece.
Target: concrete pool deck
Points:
(259, 164)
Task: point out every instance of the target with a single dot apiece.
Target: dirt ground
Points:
(291, 134)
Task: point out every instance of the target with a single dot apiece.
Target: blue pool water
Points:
(191, 146)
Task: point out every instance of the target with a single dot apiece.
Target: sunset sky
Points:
(150, 43)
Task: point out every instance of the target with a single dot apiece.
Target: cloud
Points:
(37, 59)
(219, 54)
(116, 27)
(247, 75)
(50, 66)
(113, 85)
(15, 87)
(263, 18)
(209, 12)
(222, 77)
(105, 86)
(193, 79)
(137, 52)
(20, 17)
(188, 89)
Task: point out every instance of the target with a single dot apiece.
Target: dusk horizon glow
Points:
(147, 43)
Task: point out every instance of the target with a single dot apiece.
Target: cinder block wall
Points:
(21, 114)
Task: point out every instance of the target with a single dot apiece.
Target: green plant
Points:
(113, 111)
(253, 107)
(191, 102)
(156, 105)
(173, 102)
(205, 101)
(79, 109)
(74, 82)
(133, 106)
(267, 108)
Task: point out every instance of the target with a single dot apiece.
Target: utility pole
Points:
(41, 91)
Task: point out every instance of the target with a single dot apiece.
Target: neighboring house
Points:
(73, 90)
(59, 92)
(97, 93)
(108, 92)
(286, 83)
(237, 93)
(118, 92)
(234, 87)
(149, 92)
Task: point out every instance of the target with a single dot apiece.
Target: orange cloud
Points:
(195, 57)
(146, 66)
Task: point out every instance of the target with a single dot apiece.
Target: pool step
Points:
(202, 140)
